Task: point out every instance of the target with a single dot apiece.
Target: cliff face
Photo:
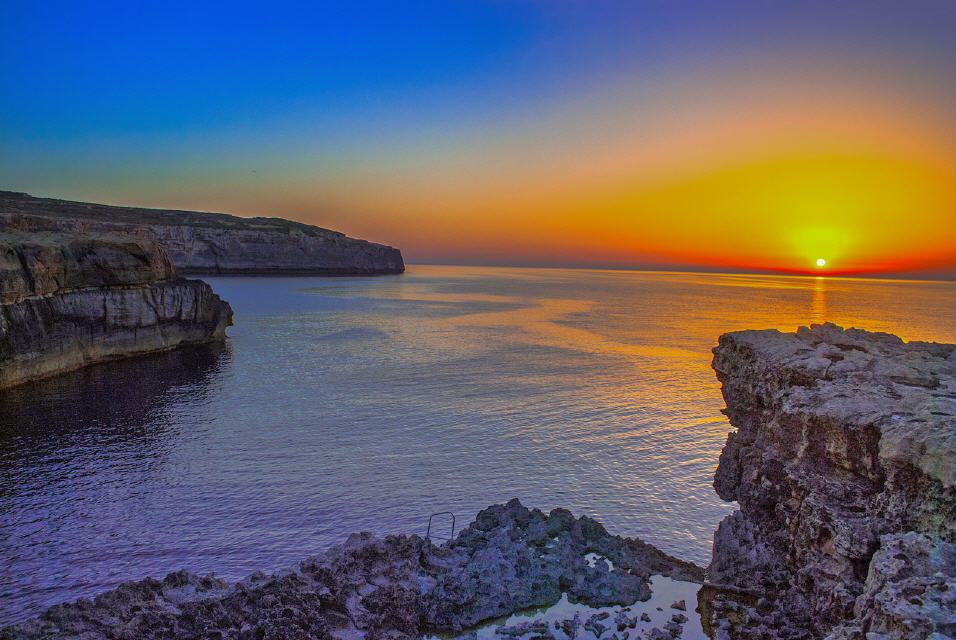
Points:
(844, 467)
(66, 302)
(81, 283)
(46, 264)
(212, 243)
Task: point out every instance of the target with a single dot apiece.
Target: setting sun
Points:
(700, 254)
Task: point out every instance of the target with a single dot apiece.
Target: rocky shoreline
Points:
(843, 465)
(67, 301)
(402, 586)
(83, 283)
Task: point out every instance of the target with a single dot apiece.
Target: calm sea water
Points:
(367, 403)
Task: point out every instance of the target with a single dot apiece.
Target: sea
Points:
(350, 404)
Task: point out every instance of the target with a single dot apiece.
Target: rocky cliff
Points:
(210, 243)
(71, 300)
(844, 467)
(509, 559)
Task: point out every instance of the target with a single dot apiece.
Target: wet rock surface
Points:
(208, 243)
(844, 466)
(509, 559)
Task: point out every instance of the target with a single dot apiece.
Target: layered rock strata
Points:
(67, 301)
(401, 586)
(209, 243)
(844, 467)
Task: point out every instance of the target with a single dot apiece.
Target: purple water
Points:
(367, 403)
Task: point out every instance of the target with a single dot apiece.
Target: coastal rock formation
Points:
(209, 243)
(68, 301)
(34, 265)
(910, 591)
(844, 467)
(399, 586)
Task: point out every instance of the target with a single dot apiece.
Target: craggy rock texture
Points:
(70, 301)
(844, 467)
(46, 264)
(510, 558)
(210, 243)
(910, 591)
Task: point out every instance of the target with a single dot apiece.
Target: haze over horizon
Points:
(725, 138)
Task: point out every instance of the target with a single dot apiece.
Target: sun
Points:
(821, 262)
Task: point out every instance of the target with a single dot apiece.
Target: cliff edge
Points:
(844, 467)
(67, 301)
(210, 243)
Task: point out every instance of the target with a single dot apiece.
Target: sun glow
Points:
(737, 162)
(821, 262)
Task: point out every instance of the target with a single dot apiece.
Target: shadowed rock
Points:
(846, 440)
(509, 559)
(67, 301)
(208, 243)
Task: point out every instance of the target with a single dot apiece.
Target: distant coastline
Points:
(913, 276)
(82, 283)
(208, 243)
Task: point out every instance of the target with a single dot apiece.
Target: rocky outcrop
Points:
(509, 559)
(844, 467)
(910, 591)
(68, 301)
(46, 264)
(209, 243)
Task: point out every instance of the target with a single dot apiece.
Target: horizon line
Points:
(888, 276)
(921, 276)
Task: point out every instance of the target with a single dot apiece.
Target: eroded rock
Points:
(70, 301)
(509, 559)
(843, 436)
(909, 593)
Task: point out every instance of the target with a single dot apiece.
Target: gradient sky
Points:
(715, 135)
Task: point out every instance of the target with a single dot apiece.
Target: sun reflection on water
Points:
(353, 404)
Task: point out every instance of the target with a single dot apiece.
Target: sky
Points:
(668, 135)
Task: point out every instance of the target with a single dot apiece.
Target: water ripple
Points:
(367, 403)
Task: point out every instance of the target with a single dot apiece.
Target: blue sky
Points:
(302, 109)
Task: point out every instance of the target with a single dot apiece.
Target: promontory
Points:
(70, 300)
(210, 243)
(83, 283)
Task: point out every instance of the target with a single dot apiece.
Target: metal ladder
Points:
(428, 533)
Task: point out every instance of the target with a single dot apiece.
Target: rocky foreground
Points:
(511, 558)
(209, 243)
(67, 301)
(844, 467)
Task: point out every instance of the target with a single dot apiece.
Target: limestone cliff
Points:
(210, 243)
(844, 467)
(68, 301)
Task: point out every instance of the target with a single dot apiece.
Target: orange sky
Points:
(745, 171)
(728, 139)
